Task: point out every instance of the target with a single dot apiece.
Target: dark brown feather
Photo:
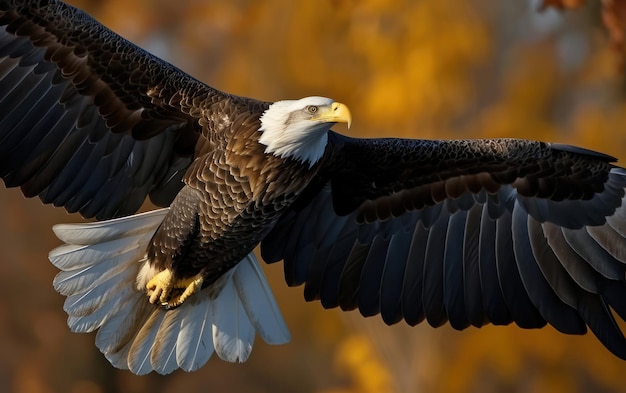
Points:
(91, 82)
(382, 178)
(487, 267)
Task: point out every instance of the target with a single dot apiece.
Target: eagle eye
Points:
(311, 109)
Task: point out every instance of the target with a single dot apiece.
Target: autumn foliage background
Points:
(419, 69)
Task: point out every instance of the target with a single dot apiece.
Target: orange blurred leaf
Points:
(614, 18)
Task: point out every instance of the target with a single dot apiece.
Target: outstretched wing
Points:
(468, 232)
(88, 120)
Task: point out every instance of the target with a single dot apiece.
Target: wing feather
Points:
(371, 276)
(412, 286)
(552, 309)
(603, 262)
(394, 269)
(453, 280)
(472, 232)
(493, 298)
(585, 276)
(433, 288)
(113, 123)
(471, 271)
(523, 311)
(349, 281)
(331, 276)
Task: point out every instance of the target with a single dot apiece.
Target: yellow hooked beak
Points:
(334, 113)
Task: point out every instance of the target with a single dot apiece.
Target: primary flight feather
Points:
(467, 231)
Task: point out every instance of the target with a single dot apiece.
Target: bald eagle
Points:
(462, 231)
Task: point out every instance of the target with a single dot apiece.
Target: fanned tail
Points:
(99, 265)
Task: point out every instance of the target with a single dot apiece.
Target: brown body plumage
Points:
(232, 197)
(469, 232)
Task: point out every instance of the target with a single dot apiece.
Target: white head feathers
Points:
(299, 128)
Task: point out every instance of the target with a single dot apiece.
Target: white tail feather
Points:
(164, 352)
(100, 265)
(97, 232)
(233, 333)
(194, 345)
(141, 348)
(257, 299)
(74, 281)
(75, 257)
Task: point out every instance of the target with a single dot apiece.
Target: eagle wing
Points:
(468, 232)
(90, 121)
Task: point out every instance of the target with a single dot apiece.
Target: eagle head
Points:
(298, 129)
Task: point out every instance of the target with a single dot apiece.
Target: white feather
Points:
(194, 345)
(141, 348)
(146, 272)
(302, 140)
(89, 322)
(85, 303)
(163, 357)
(97, 232)
(258, 301)
(100, 279)
(81, 279)
(72, 257)
(233, 334)
(116, 335)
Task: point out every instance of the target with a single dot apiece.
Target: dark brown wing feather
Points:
(91, 122)
(468, 232)
(401, 175)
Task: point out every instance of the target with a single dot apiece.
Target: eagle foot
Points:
(169, 292)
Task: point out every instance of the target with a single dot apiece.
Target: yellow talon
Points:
(172, 293)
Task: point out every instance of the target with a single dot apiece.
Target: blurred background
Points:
(406, 68)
